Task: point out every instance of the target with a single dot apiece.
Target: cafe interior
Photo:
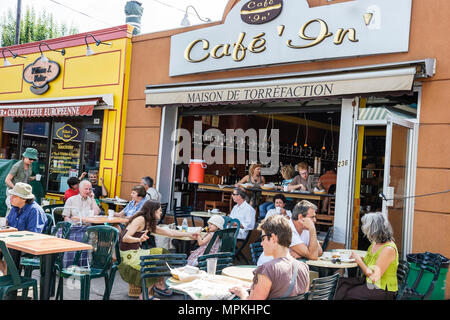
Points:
(308, 132)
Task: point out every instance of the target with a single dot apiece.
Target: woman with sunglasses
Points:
(281, 277)
(20, 172)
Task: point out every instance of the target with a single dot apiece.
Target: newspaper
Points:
(210, 287)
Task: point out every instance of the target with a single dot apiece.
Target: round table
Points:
(206, 215)
(327, 267)
(244, 272)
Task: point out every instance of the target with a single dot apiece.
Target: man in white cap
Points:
(26, 214)
(20, 172)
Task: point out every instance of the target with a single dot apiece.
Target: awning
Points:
(383, 113)
(56, 107)
(358, 81)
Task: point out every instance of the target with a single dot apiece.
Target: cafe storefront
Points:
(68, 100)
(293, 66)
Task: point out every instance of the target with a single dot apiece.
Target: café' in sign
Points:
(268, 32)
(40, 73)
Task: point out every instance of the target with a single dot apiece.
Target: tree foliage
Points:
(32, 27)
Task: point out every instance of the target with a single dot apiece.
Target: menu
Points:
(65, 158)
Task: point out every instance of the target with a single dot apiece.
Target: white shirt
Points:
(273, 212)
(153, 194)
(245, 213)
(296, 239)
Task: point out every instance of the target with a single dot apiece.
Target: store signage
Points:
(40, 73)
(67, 133)
(261, 11)
(289, 89)
(42, 111)
(255, 36)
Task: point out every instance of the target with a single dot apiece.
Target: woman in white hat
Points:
(25, 214)
(215, 223)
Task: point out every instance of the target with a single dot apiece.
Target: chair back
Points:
(154, 266)
(323, 288)
(256, 249)
(164, 211)
(48, 224)
(327, 238)
(182, 212)
(103, 241)
(62, 229)
(224, 259)
(402, 276)
(57, 212)
(303, 296)
(228, 239)
(12, 269)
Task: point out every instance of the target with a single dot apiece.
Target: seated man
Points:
(303, 181)
(243, 211)
(26, 214)
(304, 236)
(97, 189)
(151, 193)
(82, 205)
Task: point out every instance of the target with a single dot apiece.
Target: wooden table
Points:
(205, 215)
(104, 219)
(45, 246)
(7, 229)
(264, 192)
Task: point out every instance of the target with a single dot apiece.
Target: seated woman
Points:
(287, 172)
(254, 177)
(143, 222)
(379, 265)
(137, 200)
(281, 277)
(73, 190)
(215, 223)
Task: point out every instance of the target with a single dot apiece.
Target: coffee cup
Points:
(91, 213)
(2, 222)
(110, 213)
(38, 177)
(278, 210)
(285, 188)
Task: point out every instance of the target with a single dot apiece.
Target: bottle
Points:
(184, 225)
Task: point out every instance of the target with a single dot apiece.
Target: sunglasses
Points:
(265, 235)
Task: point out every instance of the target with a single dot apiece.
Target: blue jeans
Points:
(263, 208)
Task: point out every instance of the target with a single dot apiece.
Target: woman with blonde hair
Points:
(254, 177)
(379, 265)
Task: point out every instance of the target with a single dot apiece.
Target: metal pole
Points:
(19, 5)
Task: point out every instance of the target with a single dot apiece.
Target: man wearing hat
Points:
(26, 214)
(20, 172)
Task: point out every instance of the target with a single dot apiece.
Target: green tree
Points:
(32, 27)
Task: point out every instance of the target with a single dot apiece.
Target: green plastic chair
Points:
(103, 240)
(224, 259)
(256, 250)
(323, 288)
(13, 281)
(155, 266)
(112, 273)
(228, 238)
(33, 263)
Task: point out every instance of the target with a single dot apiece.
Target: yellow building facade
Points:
(68, 99)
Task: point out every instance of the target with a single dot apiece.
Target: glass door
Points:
(396, 183)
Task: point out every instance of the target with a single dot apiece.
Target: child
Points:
(215, 223)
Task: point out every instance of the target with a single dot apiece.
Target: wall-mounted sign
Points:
(260, 11)
(255, 36)
(67, 133)
(39, 74)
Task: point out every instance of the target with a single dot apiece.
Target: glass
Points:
(211, 265)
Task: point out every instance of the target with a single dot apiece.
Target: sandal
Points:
(163, 292)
